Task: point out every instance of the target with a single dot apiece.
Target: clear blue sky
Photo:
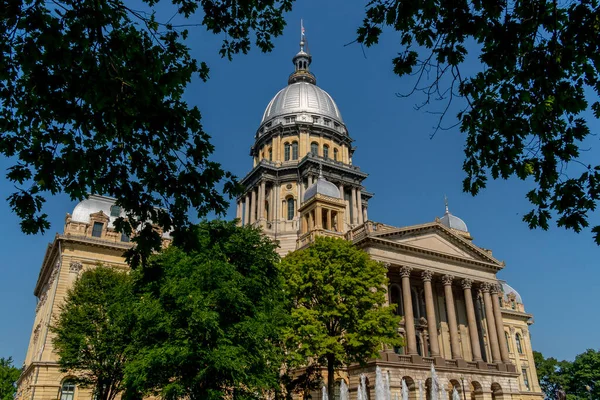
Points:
(555, 272)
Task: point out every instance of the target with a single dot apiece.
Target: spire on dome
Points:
(446, 203)
(302, 62)
(452, 221)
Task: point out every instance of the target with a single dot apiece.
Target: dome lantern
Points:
(302, 62)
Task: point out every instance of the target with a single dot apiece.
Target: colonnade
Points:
(248, 209)
(495, 326)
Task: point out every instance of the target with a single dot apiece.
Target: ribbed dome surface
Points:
(302, 97)
(324, 187)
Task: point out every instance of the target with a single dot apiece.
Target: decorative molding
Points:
(466, 283)
(426, 276)
(405, 272)
(447, 279)
(75, 267)
(36, 332)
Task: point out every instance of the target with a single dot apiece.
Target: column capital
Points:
(426, 276)
(466, 283)
(485, 287)
(495, 289)
(447, 279)
(405, 272)
(387, 265)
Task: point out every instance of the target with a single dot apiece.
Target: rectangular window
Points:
(525, 378)
(67, 391)
(327, 122)
(115, 211)
(97, 229)
(315, 120)
(124, 238)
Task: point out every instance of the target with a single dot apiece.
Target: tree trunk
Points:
(330, 375)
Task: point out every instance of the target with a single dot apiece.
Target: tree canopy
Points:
(8, 378)
(93, 331)
(338, 296)
(91, 102)
(527, 111)
(579, 379)
(211, 313)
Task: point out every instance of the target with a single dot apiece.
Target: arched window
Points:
(286, 151)
(314, 148)
(294, 150)
(290, 208)
(507, 338)
(519, 343)
(335, 154)
(67, 390)
(270, 154)
(325, 151)
(396, 298)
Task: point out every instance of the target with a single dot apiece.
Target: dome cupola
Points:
(322, 186)
(452, 221)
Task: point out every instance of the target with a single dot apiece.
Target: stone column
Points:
(495, 290)
(261, 200)
(253, 207)
(365, 217)
(247, 209)
(329, 220)
(491, 323)
(238, 213)
(430, 309)
(451, 313)
(358, 207)
(409, 319)
(301, 191)
(473, 334)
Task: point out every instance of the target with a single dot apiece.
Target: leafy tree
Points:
(8, 378)
(210, 317)
(93, 330)
(339, 315)
(579, 379)
(527, 111)
(585, 375)
(551, 374)
(91, 101)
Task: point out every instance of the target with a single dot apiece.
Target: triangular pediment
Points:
(438, 239)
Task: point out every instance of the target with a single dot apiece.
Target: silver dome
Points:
(302, 97)
(452, 221)
(507, 289)
(94, 204)
(324, 187)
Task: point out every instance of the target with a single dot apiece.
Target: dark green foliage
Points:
(338, 296)
(91, 102)
(93, 330)
(526, 110)
(211, 313)
(8, 378)
(579, 379)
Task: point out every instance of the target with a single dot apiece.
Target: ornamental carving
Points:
(36, 332)
(53, 274)
(447, 280)
(387, 265)
(426, 276)
(485, 287)
(75, 266)
(466, 283)
(405, 272)
(495, 289)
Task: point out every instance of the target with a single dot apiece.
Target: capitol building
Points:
(456, 314)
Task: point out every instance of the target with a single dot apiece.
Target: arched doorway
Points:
(476, 390)
(452, 384)
(412, 388)
(497, 393)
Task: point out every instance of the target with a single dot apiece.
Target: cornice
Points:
(514, 313)
(451, 235)
(429, 253)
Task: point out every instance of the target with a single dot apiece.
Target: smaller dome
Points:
(324, 187)
(507, 289)
(94, 204)
(452, 221)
